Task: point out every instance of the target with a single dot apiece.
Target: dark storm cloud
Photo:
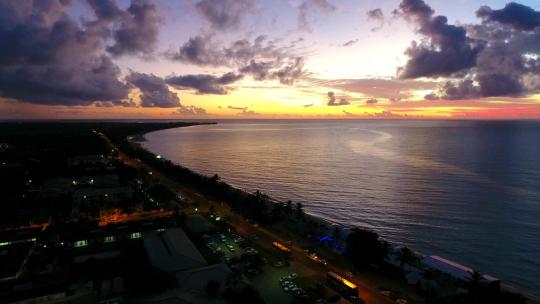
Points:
(309, 6)
(105, 9)
(51, 59)
(519, 16)
(133, 31)
(199, 51)
(225, 14)
(495, 58)
(447, 49)
(371, 101)
(489, 85)
(48, 57)
(154, 91)
(260, 58)
(205, 84)
(137, 30)
(116, 103)
(333, 100)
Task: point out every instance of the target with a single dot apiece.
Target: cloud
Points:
(205, 84)
(224, 14)
(375, 14)
(260, 58)
(332, 100)
(54, 59)
(350, 42)
(386, 114)
(508, 65)
(371, 101)
(154, 91)
(307, 105)
(309, 6)
(133, 31)
(243, 110)
(518, 16)
(191, 110)
(447, 49)
(289, 73)
(116, 103)
(347, 113)
(136, 30)
(489, 85)
(381, 88)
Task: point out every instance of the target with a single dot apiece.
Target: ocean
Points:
(465, 190)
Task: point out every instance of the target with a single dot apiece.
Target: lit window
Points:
(109, 239)
(136, 235)
(5, 243)
(82, 243)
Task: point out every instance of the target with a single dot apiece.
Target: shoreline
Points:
(327, 223)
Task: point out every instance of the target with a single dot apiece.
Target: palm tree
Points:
(474, 286)
(406, 256)
(288, 207)
(299, 210)
(336, 233)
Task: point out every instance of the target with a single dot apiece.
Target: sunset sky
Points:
(210, 59)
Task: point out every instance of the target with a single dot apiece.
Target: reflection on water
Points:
(465, 190)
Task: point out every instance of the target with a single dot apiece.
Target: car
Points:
(253, 271)
(251, 251)
(279, 264)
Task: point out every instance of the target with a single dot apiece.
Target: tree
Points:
(336, 233)
(406, 256)
(474, 287)
(364, 247)
(277, 210)
(212, 288)
(299, 210)
(288, 207)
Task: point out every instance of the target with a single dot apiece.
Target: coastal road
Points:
(368, 291)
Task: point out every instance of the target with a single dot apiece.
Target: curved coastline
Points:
(317, 218)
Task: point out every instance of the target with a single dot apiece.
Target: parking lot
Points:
(277, 279)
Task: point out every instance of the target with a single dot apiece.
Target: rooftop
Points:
(172, 251)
